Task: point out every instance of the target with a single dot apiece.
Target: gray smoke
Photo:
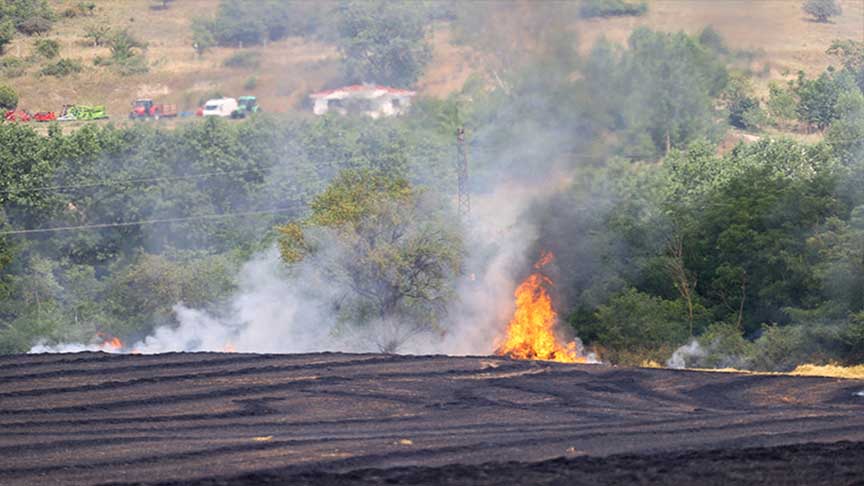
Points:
(280, 309)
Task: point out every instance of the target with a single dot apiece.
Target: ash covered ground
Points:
(213, 418)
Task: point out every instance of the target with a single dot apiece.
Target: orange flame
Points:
(229, 348)
(531, 331)
(109, 344)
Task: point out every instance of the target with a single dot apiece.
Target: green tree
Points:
(846, 134)
(670, 81)
(7, 33)
(743, 106)
(851, 55)
(782, 103)
(817, 98)
(202, 36)
(375, 237)
(748, 245)
(821, 10)
(8, 98)
(383, 42)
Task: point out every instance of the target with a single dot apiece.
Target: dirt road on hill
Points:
(92, 418)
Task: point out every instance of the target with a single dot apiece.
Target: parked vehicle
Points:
(17, 116)
(220, 107)
(82, 112)
(245, 106)
(45, 116)
(145, 108)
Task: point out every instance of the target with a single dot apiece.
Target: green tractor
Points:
(82, 113)
(245, 106)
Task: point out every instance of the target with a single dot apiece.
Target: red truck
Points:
(145, 108)
(17, 116)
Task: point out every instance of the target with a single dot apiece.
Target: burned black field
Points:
(211, 418)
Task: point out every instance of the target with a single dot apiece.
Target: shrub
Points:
(131, 66)
(781, 348)
(35, 25)
(70, 13)
(633, 320)
(7, 32)
(251, 83)
(247, 60)
(243, 23)
(98, 33)
(47, 48)
(8, 98)
(712, 39)
(62, 68)
(852, 338)
(124, 45)
(781, 102)
(12, 67)
(742, 112)
(611, 8)
(821, 9)
(86, 8)
(723, 347)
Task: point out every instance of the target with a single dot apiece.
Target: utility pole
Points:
(462, 174)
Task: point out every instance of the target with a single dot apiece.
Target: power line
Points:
(145, 222)
(128, 181)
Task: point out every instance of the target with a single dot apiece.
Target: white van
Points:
(220, 107)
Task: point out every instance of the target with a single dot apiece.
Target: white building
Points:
(370, 100)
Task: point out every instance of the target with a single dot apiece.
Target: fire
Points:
(229, 348)
(531, 331)
(109, 344)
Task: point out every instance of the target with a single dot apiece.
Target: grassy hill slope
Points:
(776, 33)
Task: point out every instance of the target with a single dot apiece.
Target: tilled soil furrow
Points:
(95, 418)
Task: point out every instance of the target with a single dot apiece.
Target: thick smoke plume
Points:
(282, 310)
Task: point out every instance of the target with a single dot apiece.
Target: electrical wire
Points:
(121, 182)
(146, 222)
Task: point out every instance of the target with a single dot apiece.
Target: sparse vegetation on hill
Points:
(611, 8)
(821, 10)
(28, 16)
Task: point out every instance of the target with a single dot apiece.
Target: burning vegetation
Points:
(531, 333)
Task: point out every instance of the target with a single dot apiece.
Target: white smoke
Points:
(689, 352)
(282, 310)
(44, 347)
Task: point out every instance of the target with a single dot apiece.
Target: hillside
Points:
(775, 34)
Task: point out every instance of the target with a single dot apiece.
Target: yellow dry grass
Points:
(834, 371)
(829, 370)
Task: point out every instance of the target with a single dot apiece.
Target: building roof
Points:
(369, 90)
